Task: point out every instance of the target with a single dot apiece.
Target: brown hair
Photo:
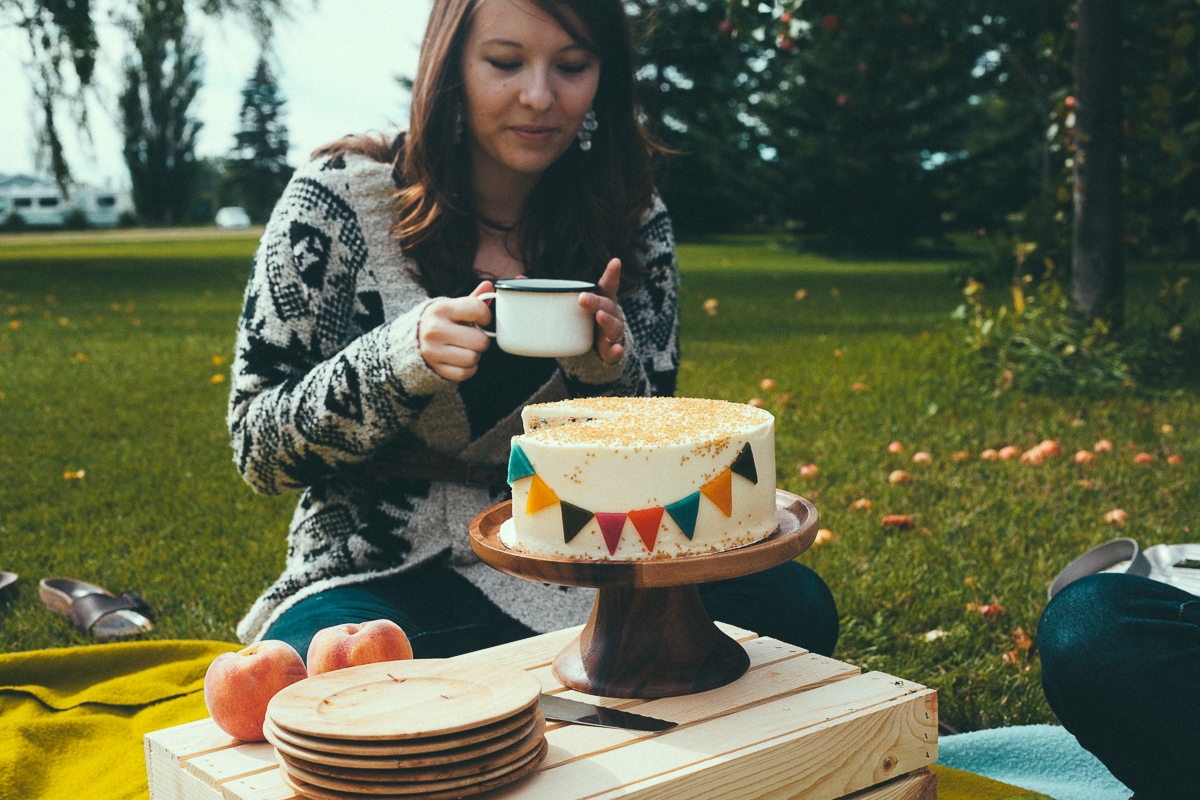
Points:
(585, 208)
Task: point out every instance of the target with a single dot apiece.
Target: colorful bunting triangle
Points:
(647, 521)
(518, 464)
(684, 513)
(720, 491)
(743, 465)
(540, 496)
(611, 526)
(574, 519)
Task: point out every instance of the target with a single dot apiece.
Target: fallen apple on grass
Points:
(1005, 453)
(756, 402)
(989, 455)
(1102, 446)
(823, 535)
(238, 686)
(352, 644)
(861, 504)
(808, 471)
(767, 384)
(1143, 459)
(898, 477)
(1175, 460)
(1033, 458)
(1117, 517)
(895, 447)
(902, 521)
(1049, 448)
(962, 455)
(1085, 458)
(921, 457)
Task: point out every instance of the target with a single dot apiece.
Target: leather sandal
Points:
(92, 609)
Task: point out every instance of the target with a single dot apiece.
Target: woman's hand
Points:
(610, 322)
(447, 335)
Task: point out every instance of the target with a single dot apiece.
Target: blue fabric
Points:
(445, 615)
(1121, 669)
(1040, 758)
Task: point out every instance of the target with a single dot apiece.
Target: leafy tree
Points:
(258, 162)
(62, 56)
(161, 81)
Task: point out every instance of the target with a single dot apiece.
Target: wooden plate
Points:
(413, 752)
(795, 534)
(459, 769)
(403, 699)
(316, 792)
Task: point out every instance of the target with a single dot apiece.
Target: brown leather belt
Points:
(419, 462)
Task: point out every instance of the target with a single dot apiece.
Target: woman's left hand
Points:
(610, 322)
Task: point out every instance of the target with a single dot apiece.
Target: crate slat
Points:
(214, 769)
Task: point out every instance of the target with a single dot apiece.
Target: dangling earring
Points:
(458, 121)
(589, 126)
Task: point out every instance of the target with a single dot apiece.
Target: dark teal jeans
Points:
(1121, 669)
(445, 615)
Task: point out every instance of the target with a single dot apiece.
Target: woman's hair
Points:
(583, 211)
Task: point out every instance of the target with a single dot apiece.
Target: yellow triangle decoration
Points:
(540, 496)
(720, 491)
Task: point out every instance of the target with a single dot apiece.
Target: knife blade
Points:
(561, 709)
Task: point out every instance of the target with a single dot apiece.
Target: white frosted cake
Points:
(634, 478)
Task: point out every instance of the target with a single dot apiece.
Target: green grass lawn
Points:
(114, 357)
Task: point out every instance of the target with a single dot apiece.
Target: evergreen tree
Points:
(161, 81)
(258, 161)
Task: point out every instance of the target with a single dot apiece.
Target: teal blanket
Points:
(1041, 758)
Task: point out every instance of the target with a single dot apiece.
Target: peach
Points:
(1102, 446)
(808, 471)
(823, 535)
(858, 387)
(899, 476)
(895, 447)
(1117, 517)
(921, 457)
(1143, 459)
(710, 306)
(238, 686)
(1008, 452)
(756, 402)
(989, 455)
(801, 294)
(1050, 448)
(1085, 458)
(1175, 459)
(352, 644)
(767, 384)
(902, 521)
(861, 504)
(1033, 457)
(962, 455)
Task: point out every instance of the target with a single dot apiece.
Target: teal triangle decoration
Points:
(684, 513)
(744, 465)
(518, 465)
(574, 519)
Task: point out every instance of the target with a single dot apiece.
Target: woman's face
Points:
(526, 88)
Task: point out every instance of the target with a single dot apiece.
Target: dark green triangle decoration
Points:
(684, 513)
(574, 519)
(518, 464)
(744, 465)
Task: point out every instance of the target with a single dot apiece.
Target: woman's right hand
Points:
(447, 335)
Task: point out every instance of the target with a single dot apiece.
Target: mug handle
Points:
(486, 296)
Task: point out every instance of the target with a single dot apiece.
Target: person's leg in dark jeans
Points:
(1121, 669)
(789, 602)
(442, 613)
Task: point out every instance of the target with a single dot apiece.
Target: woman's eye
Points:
(574, 69)
(506, 66)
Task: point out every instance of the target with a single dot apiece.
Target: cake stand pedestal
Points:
(649, 634)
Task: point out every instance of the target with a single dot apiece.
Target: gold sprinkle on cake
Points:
(639, 421)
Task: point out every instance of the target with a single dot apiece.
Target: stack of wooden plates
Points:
(426, 729)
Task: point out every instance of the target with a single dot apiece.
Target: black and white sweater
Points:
(328, 371)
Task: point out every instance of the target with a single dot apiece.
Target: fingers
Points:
(448, 335)
(610, 281)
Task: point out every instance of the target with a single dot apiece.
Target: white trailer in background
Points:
(40, 203)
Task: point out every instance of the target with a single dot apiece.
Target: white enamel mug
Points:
(541, 317)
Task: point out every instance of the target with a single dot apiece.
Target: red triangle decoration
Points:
(647, 521)
(611, 525)
(720, 491)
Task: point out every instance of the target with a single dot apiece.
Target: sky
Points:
(335, 62)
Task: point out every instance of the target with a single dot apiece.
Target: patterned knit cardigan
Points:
(328, 371)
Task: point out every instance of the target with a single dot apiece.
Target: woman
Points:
(361, 374)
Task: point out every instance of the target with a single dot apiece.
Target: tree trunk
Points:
(1098, 279)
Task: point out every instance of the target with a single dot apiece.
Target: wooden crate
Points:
(796, 725)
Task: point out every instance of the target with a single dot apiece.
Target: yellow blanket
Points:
(72, 719)
(954, 784)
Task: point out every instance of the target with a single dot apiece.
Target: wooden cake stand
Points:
(649, 634)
